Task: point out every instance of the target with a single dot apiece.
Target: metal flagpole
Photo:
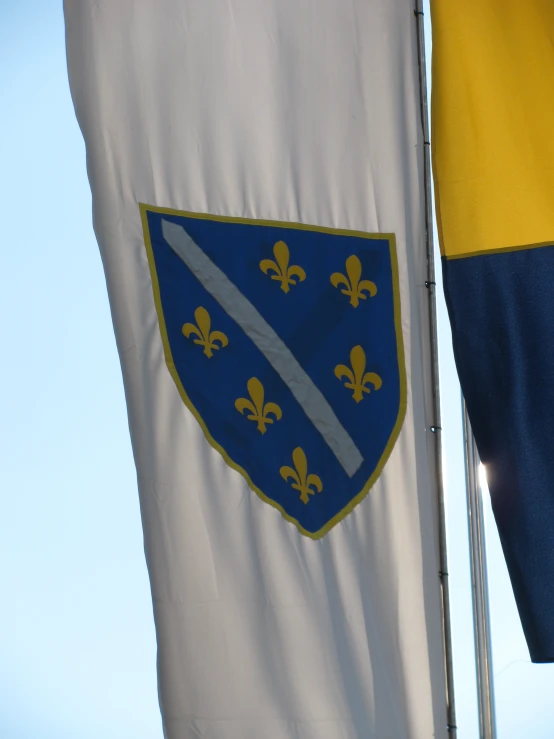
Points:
(436, 428)
(481, 616)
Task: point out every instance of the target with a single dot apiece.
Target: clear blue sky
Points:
(77, 644)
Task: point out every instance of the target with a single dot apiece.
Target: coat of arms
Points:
(284, 341)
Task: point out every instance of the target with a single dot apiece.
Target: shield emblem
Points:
(284, 341)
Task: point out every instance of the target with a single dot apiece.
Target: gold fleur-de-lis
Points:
(206, 338)
(259, 410)
(302, 481)
(354, 287)
(357, 376)
(283, 273)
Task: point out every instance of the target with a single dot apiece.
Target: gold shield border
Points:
(144, 209)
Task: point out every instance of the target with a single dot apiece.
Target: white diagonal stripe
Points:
(241, 310)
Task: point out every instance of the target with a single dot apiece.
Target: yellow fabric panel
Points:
(493, 123)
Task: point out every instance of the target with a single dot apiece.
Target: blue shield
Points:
(284, 341)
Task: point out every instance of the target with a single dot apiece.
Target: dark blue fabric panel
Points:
(501, 310)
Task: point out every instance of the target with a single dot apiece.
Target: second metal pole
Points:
(481, 615)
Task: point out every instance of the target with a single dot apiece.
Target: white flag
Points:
(257, 178)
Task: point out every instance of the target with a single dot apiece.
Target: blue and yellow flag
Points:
(493, 159)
